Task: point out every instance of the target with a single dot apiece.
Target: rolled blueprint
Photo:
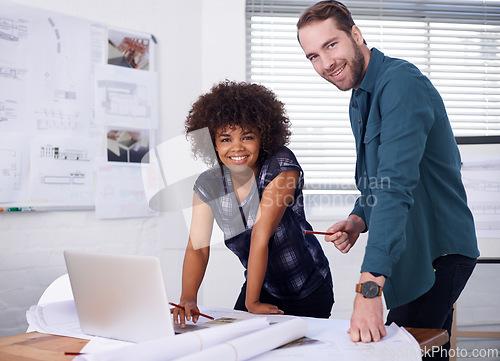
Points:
(173, 347)
(253, 344)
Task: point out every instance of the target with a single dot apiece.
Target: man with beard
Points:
(421, 246)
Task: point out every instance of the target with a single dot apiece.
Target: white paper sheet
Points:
(120, 192)
(254, 344)
(126, 97)
(40, 52)
(62, 170)
(171, 348)
(143, 56)
(220, 313)
(58, 318)
(334, 341)
(14, 161)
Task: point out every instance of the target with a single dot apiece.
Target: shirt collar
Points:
(373, 70)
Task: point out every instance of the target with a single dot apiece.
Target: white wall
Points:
(200, 42)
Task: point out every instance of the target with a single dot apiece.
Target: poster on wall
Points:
(131, 50)
(73, 91)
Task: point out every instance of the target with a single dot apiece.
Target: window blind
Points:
(454, 42)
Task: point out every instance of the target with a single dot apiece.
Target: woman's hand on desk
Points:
(181, 315)
(263, 308)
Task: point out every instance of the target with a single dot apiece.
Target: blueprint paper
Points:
(126, 97)
(62, 169)
(14, 159)
(64, 86)
(45, 64)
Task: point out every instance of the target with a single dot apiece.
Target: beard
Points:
(356, 66)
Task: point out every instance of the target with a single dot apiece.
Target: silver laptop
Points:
(119, 296)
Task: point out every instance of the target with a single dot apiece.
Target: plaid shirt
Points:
(297, 265)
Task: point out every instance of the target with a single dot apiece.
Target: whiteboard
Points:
(481, 178)
(78, 113)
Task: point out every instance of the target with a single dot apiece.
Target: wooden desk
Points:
(429, 337)
(34, 346)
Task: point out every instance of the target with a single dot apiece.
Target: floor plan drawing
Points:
(13, 30)
(14, 156)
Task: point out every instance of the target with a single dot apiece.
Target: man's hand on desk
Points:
(263, 308)
(181, 315)
(367, 322)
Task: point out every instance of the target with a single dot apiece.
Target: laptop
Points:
(119, 296)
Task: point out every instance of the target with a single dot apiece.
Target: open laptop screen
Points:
(119, 296)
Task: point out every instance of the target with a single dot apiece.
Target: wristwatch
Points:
(369, 289)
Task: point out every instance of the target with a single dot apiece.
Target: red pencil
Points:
(192, 311)
(315, 232)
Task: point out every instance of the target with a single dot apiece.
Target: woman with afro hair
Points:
(254, 193)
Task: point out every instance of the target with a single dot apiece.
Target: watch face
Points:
(369, 289)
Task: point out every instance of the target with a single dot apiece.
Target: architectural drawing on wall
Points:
(62, 169)
(128, 49)
(60, 94)
(51, 152)
(3, 116)
(8, 110)
(56, 34)
(60, 51)
(120, 193)
(10, 169)
(76, 177)
(127, 99)
(128, 146)
(13, 91)
(13, 30)
(12, 73)
(58, 120)
(13, 168)
(132, 52)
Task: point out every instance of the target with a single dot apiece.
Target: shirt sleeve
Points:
(281, 161)
(209, 185)
(407, 115)
(359, 211)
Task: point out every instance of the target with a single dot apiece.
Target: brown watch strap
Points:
(360, 285)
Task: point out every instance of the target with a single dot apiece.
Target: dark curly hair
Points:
(228, 103)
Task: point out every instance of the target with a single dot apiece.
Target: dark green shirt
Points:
(408, 172)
